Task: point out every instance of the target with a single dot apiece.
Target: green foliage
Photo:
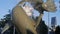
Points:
(42, 28)
(57, 31)
(4, 21)
(7, 17)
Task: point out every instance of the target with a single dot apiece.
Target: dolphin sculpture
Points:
(23, 22)
(30, 24)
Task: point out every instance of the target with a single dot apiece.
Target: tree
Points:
(2, 22)
(42, 28)
(57, 31)
(7, 20)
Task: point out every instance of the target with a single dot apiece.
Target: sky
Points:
(5, 5)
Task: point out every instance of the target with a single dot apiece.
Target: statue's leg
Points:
(33, 30)
(39, 20)
(23, 31)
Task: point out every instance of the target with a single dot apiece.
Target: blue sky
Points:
(5, 5)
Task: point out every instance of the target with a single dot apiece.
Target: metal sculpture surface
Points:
(23, 22)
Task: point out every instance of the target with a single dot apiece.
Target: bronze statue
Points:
(23, 22)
